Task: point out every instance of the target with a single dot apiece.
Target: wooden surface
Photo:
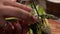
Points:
(55, 26)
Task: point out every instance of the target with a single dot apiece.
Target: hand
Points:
(9, 8)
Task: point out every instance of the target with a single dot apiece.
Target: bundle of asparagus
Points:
(42, 26)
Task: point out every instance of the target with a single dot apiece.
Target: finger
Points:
(11, 25)
(2, 22)
(15, 4)
(18, 28)
(13, 0)
(25, 30)
(17, 12)
(10, 0)
(2, 25)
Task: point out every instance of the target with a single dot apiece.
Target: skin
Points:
(10, 8)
